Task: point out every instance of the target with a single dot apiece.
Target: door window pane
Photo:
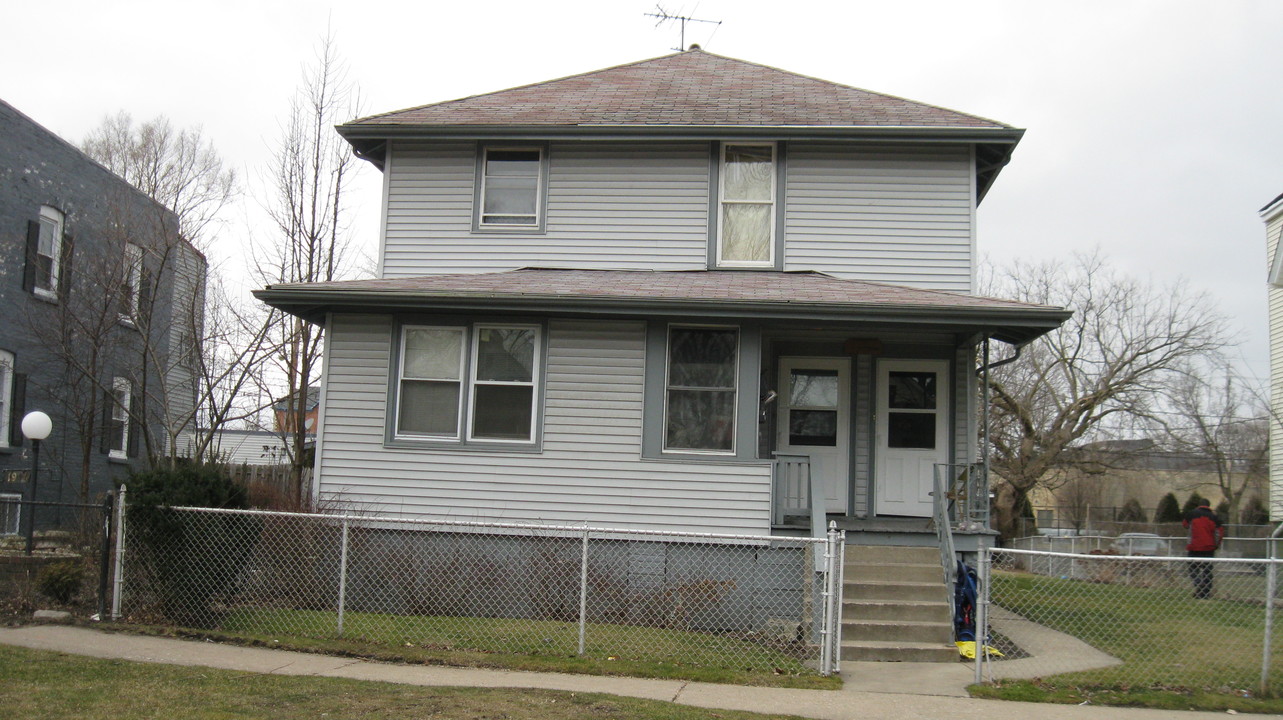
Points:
(816, 428)
(813, 388)
(911, 430)
(912, 390)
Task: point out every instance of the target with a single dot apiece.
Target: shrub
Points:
(1169, 509)
(1254, 512)
(1132, 512)
(192, 558)
(61, 581)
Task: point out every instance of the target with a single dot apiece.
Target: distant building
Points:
(92, 271)
(284, 412)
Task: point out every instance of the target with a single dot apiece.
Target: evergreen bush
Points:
(1169, 509)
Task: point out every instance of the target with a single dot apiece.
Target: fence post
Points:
(828, 664)
(342, 575)
(982, 611)
(117, 588)
(104, 556)
(1271, 588)
(841, 589)
(583, 588)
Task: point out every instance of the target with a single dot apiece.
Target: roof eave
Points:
(1016, 325)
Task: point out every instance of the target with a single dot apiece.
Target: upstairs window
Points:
(131, 283)
(44, 253)
(699, 403)
(746, 225)
(511, 188)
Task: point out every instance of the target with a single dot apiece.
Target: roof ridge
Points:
(524, 87)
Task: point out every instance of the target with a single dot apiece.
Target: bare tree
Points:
(180, 169)
(1218, 419)
(309, 174)
(1095, 375)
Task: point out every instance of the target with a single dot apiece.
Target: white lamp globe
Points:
(36, 425)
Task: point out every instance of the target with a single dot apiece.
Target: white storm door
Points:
(815, 420)
(912, 434)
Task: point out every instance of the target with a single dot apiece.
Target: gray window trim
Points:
(468, 325)
(747, 384)
(478, 189)
(8, 361)
(715, 205)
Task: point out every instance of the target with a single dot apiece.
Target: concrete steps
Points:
(895, 606)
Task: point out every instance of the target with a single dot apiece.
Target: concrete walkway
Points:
(888, 691)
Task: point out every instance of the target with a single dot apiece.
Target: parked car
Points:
(1135, 543)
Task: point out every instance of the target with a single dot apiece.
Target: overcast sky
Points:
(1154, 129)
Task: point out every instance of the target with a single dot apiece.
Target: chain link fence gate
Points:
(768, 603)
(1113, 621)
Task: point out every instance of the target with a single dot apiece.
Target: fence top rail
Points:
(1146, 538)
(509, 526)
(51, 503)
(1138, 558)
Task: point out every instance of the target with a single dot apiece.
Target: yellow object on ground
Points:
(967, 649)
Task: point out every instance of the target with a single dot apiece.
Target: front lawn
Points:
(42, 685)
(1177, 652)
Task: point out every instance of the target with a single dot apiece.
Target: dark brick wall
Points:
(38, 168)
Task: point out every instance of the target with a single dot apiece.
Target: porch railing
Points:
(959, 501)
(796, 492)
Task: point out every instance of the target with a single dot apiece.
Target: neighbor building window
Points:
(511, 188)
(746, 224)
(700, 388)
(44, 253)
(131, 282)
(118, 419)
(6, 396)
(476, 383)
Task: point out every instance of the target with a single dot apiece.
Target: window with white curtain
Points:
(746, 226)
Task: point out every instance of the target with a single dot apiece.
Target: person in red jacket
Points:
(1205, 536)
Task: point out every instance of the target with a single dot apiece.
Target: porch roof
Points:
(759, 295)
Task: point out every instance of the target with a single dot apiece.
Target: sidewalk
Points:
(888, 691)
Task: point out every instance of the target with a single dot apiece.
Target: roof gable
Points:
(687, 89)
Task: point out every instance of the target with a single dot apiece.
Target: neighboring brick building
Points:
(90, 268)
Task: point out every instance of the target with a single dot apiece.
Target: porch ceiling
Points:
(788, 296)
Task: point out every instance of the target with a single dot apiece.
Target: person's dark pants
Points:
(1201, 573)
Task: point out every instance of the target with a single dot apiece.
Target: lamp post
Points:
(36, 426)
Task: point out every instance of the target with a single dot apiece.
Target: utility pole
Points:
(664, 16)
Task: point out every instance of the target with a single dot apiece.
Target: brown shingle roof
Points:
(692, 88)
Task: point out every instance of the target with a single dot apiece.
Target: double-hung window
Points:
(118, 419)
(46, 255)
(746, 195)
(6, 396)
(700, 389)
(476, 383)
(511, 188)
(131, 283)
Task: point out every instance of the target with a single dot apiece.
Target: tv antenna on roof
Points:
(665, 16)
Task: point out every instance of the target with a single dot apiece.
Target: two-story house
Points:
(643, 296)
(1272, 214)
(99, 303)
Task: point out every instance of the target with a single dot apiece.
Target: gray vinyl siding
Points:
(612, 205)
(590, 468)
(894, 214)
(1273, 239)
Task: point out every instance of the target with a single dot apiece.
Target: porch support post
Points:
(982, 503)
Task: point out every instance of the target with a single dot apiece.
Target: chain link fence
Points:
(1113, 621)
(767, 603)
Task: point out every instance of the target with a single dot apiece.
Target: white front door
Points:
(815, 420)
(912, 434)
